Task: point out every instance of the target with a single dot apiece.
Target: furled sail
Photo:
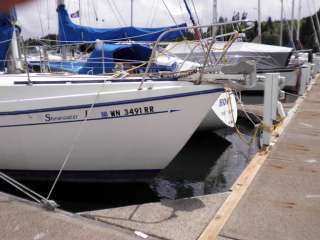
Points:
(70, 32)
(6, 31)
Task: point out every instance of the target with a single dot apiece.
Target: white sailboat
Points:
(96, 125)
(123, 128)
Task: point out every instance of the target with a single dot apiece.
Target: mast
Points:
(281, 25)
(196, 30)
(292, 21)
(63, 47)
(15, 46)
(131, 13)
(299, 21)
(259, 22)
(214, 16)
(317, 19)
(316, 37)
(215, 12)
(80, 12)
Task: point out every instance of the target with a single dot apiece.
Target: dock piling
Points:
(271, 95)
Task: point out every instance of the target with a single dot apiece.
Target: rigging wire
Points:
(48, 17)
(40, 18)
(172, 17)
(118, 12)
(316, 16)
(76, 139)
(185, 18)
(195, 11)
(152, 15)
(316, 36)
(95, 11)
(115, 15)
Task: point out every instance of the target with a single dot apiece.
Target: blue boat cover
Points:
(106, 56)
(109, 54)
(70, 32)
(6, 31)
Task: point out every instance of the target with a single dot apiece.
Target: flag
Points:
(75, 14)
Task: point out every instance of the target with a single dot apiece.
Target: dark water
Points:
(209, 163)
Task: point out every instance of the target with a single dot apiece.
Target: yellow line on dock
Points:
(240, 187)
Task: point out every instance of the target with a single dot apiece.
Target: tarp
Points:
(108, 54)
(267, 57)
(70, 32)
(105, 57)
(6, 31)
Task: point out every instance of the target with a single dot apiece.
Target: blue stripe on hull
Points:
(89, 120)
(106, 104)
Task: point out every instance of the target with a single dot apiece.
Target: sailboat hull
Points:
(125, 130)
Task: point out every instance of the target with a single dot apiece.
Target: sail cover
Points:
(70, 32)
(109, 54)
(6, 31)
(104, 58)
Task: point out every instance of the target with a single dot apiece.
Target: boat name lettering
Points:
(223, 102)
(50, 118)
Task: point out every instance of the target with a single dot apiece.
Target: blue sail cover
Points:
(108, 54)
(6, 31)
(70, 32)
(105, 57)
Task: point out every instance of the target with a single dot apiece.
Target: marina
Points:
(195, 128)
(288, 170)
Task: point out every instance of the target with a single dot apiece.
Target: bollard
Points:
(271, 94)
(316, 62)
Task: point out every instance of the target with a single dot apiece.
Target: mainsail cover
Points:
(104, 59)
(6, 31)
(70, 32)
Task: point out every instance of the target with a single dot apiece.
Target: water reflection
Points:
(209, 163)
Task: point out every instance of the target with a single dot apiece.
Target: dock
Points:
(276, 197)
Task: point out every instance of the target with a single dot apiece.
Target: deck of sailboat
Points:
(61, 78)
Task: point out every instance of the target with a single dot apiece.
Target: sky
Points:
(38, 18)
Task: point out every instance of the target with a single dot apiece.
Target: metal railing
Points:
(157, 43)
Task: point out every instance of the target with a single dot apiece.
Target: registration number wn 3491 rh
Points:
(127, 112)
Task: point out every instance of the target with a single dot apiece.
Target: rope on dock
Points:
(47, 204)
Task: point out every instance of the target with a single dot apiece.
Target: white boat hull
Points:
(127, 129)
(223, 113)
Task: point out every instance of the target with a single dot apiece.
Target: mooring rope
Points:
(48, 204)
(75, 141)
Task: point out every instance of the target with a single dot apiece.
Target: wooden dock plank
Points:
(283, 202)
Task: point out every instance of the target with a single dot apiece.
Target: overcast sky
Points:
(39, 18)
